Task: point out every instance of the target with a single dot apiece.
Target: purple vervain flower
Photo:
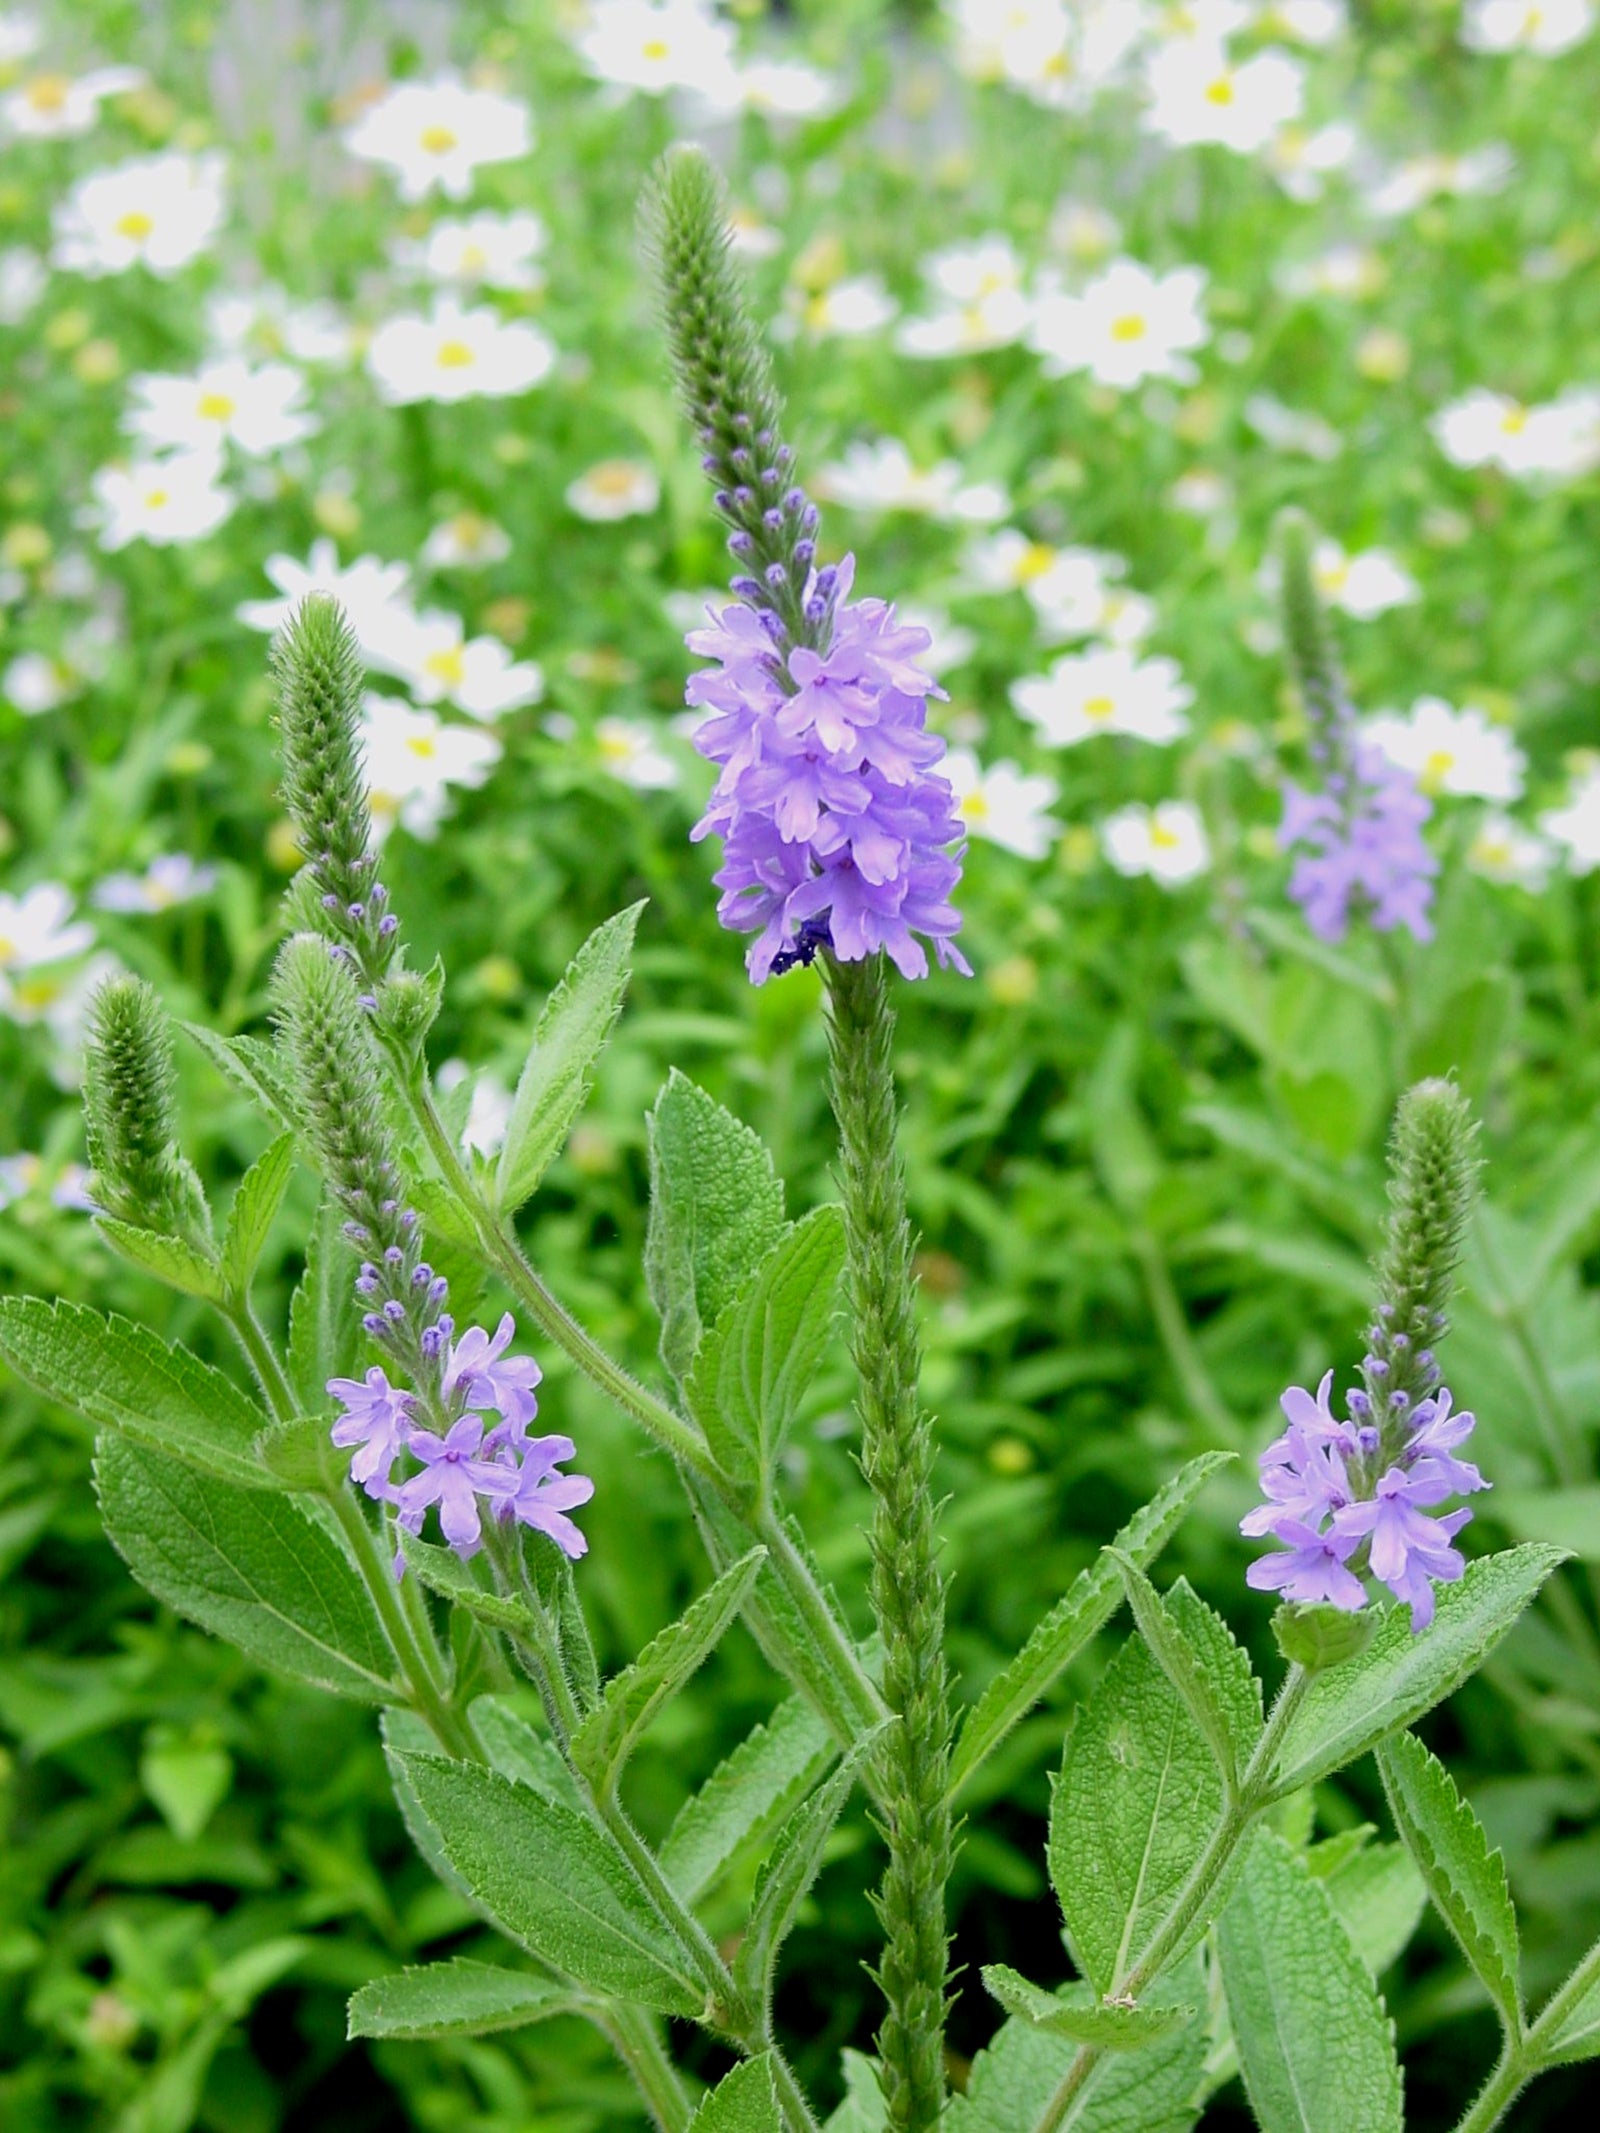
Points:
(1354, 1496)
(1361, 846)
(377, 1418)
(453, 1476)
(837, 827)
(540, 1497)
(476, 1374)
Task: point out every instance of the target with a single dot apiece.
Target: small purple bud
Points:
(438, 1289)
(421, 1274)
(741, 421)
(773, 521)
(1399, 1402)
(746, 588)
(367, 1282)
(330, 902)
(816, 609)
(1375, 1367)
(827, 579)
(432, 1342)
(722, 499)
(408, 1216)
(356, 912)
(388, 925)
(1358, 1404)
(805, 553)
(376, 1325)
(1402, 1341)
(395, 1312)
(393, 1256)
(1425, 1359)
(764, 439)
(742, 458)
(379, 895)
(784, 456)
(388, 1207)
(710, 465)
(794, 500)
(368, 1000)
(742, 544)
(1368, 1439)
(744, 498)
(357, 1232)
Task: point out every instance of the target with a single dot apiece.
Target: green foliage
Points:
(458, 1998)
(745, 2101)
(254, 1210)
(1073, 2012)
(1316, 2046)
(1193, 1648)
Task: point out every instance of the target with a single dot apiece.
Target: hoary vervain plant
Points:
(375, 1515)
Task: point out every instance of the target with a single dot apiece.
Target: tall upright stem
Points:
(907, 1586)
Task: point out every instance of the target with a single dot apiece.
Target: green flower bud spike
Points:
(139, 1174)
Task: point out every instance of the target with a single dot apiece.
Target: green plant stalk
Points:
(636, 2039)
(1523, 2057)
(500, 1250)
(897, 1453)
(1239, 1815)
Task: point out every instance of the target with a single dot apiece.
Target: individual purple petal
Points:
(377, 1418)
(453, 1476)
(541, 1497)
(1311, 1569)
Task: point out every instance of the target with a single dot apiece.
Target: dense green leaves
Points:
(1074, 2012)
(253, 1066)
(246, 1565)
(120, 1376)
(603, 1743)
(746, 1796)
(754, 1365)
(788, 1872)
(1399, 1675)
(553, 1881)
(455, 1999)
(1083, 1610)
(577, 1019)
(324, 1321)
(745, 2101)
(1466, 1880)
(716, 1208)
(168, 1258)
(1192, 1647)
(1315, 2045)
(1137, 1797)
(255, 1205)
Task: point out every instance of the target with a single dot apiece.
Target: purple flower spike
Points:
(477, 1375)
(377, 1417)
(1361, 849)
(1313, 1569)
(837, 827)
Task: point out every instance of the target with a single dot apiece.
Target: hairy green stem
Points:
(897, 1452)
(1524, 2057)
(1239, 1817)
(635, 2037)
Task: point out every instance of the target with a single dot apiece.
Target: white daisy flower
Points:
(615, 489)
(159, 212)
(23, 276)
(1167, 842)
(433, 654)
(489, 1110)
(1198, 95)
(172, 879)
(1105, 691)
(414, 761)
(163, 501)
(34, 683)
(881, 476)
(1502, 850)
(1291, 429)
(456, 354)
(267, 321)
(1560, 437)
(1462, 753)
(1003, 804)
(57, 107)
(749, 236)
(371, 593)
(1128, 325)
(1576, 826)
(660, 45)
(1413, 184)
(987, 308)
(494, 251)
(846, 310)
(786, 88)
(1202, 493)
(19, 36)
(469, 541)
(260, 410)
(1350, 271)
(1313, 22)
(1362, 585)
(38, 927)
(1547, 27)
(628, 749)
(435, 135)
(1303, 160)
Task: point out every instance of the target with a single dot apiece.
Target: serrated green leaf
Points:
(455, 1999)
(789, 1870)
(1074, 2012)
(253, 1066)
(120, 1376)
(324, 1323)
(169, 1259)
(1399, 1676)
(1466, 1880)
(716, 1208)
(746, 1796)
(1379, 1897)
(254, 1209)
(745, 2101)
(555, 1882)
(443, 1572)
(1146, 2091)
(520, 1752)
(754, 1365)
(863, 2109)
(1082, 1611)
(1316, 2047)
(302, 1455)
(605, 1740)
(554, 1083)
(1577, 2035)
(245, 1564)
(1194, 1649)
(1138, 1796)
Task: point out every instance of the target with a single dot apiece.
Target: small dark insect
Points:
(812, 936)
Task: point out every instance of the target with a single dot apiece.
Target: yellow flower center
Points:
(8, 950)
(1099, 707)
(1163, 839)
(135, 225)
(613, 477)
(1129, 327)
(655, 49)
(1033, 562)
(1514, 421)
(437, 140)
(1333, 577)
(34, 995)
(48, 92)
(1437, 767)
(473, 258)
(469, 529)
(424, 745)
(975, 807)
(455, 355)
(215, 407)
(616, 747)
(157, 499)
(1220, 91)
(447, 666)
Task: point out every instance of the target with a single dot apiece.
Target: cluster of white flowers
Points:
(1545, 27)
(1557, 439)
(660, 47)
(882, 476)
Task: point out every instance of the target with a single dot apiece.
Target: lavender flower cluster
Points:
(837, 830)
(1363, 844)
(1354, 1496)
(465, 1462)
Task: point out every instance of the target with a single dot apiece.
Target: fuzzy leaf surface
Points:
(572, 1031)
(519, 1751)
(169, 1259)
(119, 1376)
(716, 1207)
(1379, 1897)
(1316, 2047)
(605, 1740)
(454, 1999)
(1578, 2037)
(324, 1322)
(254, 1209)
(789, 1870)
(246, 1565)
(1082, 1611)
(1466, 1880)
(745, 2101)
(1138, 1795)
(443, 1572)
(746, 1796)
(251, 1065)
(1197, 1653)
(553, 1881)
(1399, 1676)
(754, 1364)
(1074, 2012)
